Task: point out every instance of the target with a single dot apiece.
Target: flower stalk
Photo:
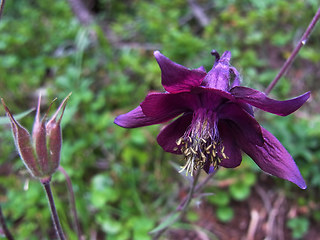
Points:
(184, 204)
(54, 214)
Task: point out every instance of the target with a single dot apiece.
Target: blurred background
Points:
(102, 52)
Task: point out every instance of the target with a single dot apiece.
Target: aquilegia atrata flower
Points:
(216, 119)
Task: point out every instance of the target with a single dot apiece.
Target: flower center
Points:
(201, 144)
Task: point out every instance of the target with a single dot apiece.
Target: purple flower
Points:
(215, 119)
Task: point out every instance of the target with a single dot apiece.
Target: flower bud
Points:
(41, 152)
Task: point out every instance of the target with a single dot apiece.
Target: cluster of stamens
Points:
(197, 151)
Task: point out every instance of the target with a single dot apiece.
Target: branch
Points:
(294, 53)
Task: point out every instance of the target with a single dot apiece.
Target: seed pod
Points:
(54, 137)
(39, 140)
(22, 140)
(41, 153)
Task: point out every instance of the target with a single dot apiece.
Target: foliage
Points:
(123, 181)
(299, 226)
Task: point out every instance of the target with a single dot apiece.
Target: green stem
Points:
(54, 214)
(4, 226)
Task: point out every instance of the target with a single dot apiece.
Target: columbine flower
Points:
(41, 152)
(216, 119)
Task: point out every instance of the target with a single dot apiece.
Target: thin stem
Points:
(72, 201)
(197, 189)
(186, 201)
(294, 53)
(201, 185)
(54, 214)
(191, 192)
(1, 7)
(4, 226)
(183, 206)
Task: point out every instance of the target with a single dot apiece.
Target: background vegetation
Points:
(124, 183)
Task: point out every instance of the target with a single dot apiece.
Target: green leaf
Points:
(250, 178)
(220, 198)
(192, 216)
(239, 191)
(109, 225)
(225, 214)
(299, 226)
(167, 222)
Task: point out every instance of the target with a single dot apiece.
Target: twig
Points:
(4, 226)
(294, 53)
(253, 224)
(72, 201)
(281, 220)
(54, 214)
(271, 233)
(265, 197)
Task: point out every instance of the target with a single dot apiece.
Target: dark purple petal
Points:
(247, 107)
(204, 90)
(218, 77)
(177, 78)
(170, 134)
(158, 105)
(212, 98)
(247, 124)
(260, 100)
(231, 149)
(274, 159)
(136, 118)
